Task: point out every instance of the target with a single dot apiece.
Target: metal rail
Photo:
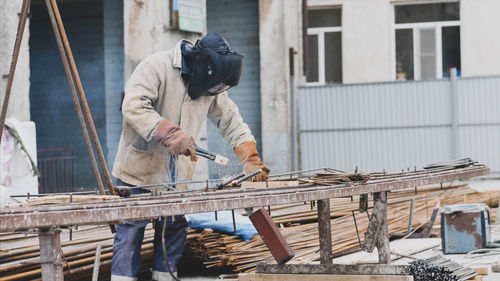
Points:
(177, 203)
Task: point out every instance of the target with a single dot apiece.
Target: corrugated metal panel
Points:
(398, 125)
(479, 119)
(238, 22)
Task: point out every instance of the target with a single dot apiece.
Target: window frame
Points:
(416, 27)
(320, 32)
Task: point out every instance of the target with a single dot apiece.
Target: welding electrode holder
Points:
(123, 191)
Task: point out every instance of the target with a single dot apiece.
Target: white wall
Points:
(280, 27)
(367, 37)
(480, 37)
(19, 99)
(147, 30)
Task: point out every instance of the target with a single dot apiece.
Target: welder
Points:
(167, 100)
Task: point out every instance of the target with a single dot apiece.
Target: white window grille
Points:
(324, 35)
(426, 40)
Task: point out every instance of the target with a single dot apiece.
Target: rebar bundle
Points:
(439, 268)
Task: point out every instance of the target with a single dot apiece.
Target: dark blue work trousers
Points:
(128, 242)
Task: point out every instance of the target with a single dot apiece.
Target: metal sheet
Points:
(238, 22)
(394, 125)
(358, 269)
(271, 236)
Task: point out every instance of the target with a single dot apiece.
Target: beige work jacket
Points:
(155, 91)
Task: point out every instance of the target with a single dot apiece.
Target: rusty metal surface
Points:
(464, 229)
(176, 203)
(271, 236)
(374, 226)
(325, 231)
(341, 269)
(50, 254)
(383, 247)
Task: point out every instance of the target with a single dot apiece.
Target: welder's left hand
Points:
(249, 157)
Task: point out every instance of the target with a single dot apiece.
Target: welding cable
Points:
(479, 253)
(164, 247)
(306, 171)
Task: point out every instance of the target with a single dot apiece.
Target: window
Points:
(324, 46)
(427, 38)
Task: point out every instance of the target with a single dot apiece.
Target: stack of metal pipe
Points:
(439, 268)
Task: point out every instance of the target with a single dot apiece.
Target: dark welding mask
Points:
(214, 67)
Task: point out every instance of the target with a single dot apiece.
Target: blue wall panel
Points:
(238, 22)
(113, 67)
(52, 107)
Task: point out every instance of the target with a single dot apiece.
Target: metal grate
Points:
(57, 170)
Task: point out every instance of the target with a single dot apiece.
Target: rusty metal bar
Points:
(340, 190)
(374, 226)
(341, 269)
(97, 263)
(325, 231)
(51, 254)
(183, 197)
(85, 105)
(12, 219)
(271, 236)
(72, 88)
(383, 248)
(13, 63)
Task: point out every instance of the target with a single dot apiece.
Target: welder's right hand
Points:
(170, 135)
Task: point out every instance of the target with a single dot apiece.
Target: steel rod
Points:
(340, 190)
(12, 219)
(85, 105)
(13, 64)
(72, 88)
(97, 263)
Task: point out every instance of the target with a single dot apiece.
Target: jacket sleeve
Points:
(141, 94)
(224, 114)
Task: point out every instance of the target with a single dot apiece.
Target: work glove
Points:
(249, 157)
(170, 135)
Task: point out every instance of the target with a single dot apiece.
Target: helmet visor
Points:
(217, 89)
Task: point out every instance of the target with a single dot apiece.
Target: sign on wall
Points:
(191, 17)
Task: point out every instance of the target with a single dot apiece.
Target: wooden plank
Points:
(59, 199)
(321, 277)
(481, 270)
(406, 247)
(269, 184)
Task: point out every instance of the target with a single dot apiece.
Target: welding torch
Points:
(211, 156)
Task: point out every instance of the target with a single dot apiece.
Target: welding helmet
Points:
(214, 66)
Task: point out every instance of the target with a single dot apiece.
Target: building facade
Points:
(382, 39)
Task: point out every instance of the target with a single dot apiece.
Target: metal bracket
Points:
(340, 269)
(374, 226)
(378, 234)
